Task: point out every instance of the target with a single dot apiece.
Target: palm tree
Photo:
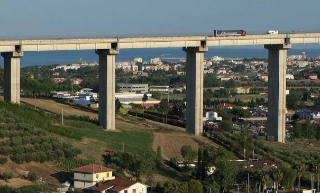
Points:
(277, 176)
(265, 180)
(301, 171)
(316, 170)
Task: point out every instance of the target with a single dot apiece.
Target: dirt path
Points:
(171, 143)
(55, 107)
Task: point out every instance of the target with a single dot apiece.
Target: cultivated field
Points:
(171, 143)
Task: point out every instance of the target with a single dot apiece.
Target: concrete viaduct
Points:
(194, 46)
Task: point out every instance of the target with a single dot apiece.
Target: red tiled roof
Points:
(92, 168)
(117, 184)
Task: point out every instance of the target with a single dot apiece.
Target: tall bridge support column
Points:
(194, 76)
(277, 91)
(12, 76)
(107, 87)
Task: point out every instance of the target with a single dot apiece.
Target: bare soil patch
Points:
(41, 170)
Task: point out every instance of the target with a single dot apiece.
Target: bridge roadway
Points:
(194, 46)
(153, 42)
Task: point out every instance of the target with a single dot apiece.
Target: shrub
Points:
(3, 160)
(32, 177)
(7, 176)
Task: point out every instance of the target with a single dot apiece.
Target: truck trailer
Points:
(223, 33)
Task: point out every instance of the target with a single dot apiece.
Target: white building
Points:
(211, 116)
(137, 60)
(216, 59)
(156, 61)
(210, 71)
(302, 64)
(134, 68)
(290, 76)
(221, 71)
(159, 89)
(121, 185)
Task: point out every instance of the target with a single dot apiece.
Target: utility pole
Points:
(253, 154)
(62, 116)
(168, 96)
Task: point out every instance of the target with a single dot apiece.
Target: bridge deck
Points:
(153, 42)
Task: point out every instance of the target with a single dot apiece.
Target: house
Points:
(120, 185)
(263, 165)
(264, 77)
(211, 116)
(225, 106)
(59, 80)
(76, 81)
(243, 90)
(312, 76)
(86, 177)
(310, 113)
(314, 95)
(211, 168)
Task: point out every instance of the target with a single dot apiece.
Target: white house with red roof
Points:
(89, 175)
(121, 185)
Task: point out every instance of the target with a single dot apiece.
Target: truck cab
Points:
(273, 32)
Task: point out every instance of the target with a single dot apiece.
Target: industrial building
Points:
(133, 88)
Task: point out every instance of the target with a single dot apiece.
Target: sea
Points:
(69, 57)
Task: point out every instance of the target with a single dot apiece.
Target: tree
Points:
(226, 125)
(195, 186)
(159, 158)
(172, 186)
(245, 141)
(226, 169)
(265, 180)
(292, 101)
(203, 163)
(144, 99)
(118, 104)
(188, 154)
(277, 176)
(222, 113)
(316, 170)
(317, 102)
(143, 164)
(301, 170)
(289, 176)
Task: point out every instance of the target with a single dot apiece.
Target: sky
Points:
(87, 18)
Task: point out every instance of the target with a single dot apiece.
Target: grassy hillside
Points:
(76, 128)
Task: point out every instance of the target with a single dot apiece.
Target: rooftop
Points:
(117, 184)
(92, 168)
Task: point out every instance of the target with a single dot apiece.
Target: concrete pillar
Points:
(107, 88)
(277, 91)
(194, 76)
(12, 76)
